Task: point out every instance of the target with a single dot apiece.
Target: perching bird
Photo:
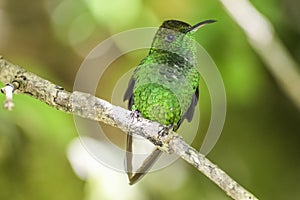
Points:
(164, 86)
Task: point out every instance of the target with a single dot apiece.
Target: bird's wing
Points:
(129, 93)
(190, 111)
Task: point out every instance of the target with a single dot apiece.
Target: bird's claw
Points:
(165, 130)
(135, 115)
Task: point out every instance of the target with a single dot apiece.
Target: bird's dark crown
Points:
(176, 25)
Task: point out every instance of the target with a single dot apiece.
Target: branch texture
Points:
(88, 106)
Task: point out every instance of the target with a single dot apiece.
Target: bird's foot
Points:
(135, 115)
(165, 130)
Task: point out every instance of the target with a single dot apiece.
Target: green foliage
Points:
(33, 164)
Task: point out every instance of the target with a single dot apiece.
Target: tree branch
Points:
(88, 106)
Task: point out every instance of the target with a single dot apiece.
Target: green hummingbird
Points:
(165, 85)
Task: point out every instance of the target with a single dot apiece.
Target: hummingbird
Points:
(164, 87)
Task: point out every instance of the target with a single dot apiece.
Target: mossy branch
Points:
(88, 106)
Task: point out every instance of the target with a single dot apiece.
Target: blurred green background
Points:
(259, 146)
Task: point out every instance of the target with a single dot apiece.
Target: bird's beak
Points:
(199, 25)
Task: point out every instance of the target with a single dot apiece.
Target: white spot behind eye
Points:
(170, 38)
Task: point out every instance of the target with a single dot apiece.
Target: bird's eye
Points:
(170, 38)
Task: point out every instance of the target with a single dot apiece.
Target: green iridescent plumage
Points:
(164, 86)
